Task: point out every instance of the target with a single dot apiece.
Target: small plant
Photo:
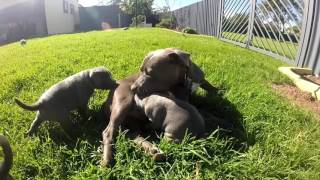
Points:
(189, 30)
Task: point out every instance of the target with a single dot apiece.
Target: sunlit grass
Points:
(282, 140)
(283, 48)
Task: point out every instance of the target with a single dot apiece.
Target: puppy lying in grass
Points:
(72, 93)
(7, 164)
(171, 115)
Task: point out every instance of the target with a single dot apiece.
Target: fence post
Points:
(305, 33)
(251, 23)
(220, 19)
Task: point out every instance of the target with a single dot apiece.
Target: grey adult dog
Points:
(166, 68)
(162, 70)
(8, 158)
(69, 94)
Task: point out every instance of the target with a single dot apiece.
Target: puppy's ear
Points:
(95, 74)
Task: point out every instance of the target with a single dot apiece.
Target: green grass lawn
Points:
(280, 140)
(282, 48)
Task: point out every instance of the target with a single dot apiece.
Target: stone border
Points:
(295, 74)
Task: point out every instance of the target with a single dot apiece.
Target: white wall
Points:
(57, 20)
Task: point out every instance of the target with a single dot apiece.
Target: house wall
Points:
(21, 19)
(61, 21)
(103, 17)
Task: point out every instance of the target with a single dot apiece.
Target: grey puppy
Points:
(69, 94)
(173, 116)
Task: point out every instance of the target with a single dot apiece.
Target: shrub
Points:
(189, 30)
(164, 23)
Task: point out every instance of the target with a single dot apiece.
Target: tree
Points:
(167, 17)
(109, 2)
(138, 7)
(141, 9)
(237, 23)
(283, 12)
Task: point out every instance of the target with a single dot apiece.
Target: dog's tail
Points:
(8, 157)
(33, 107)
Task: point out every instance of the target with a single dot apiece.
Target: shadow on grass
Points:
(89, 129)
(218, 112)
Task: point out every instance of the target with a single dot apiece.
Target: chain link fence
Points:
(284, 29)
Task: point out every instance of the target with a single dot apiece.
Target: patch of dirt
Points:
(298, 97)
(313, 79)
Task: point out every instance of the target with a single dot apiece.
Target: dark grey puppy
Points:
(172, 116)
(7, 163)
(72, 93)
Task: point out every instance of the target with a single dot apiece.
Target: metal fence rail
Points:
(235, 21)
(277, 27)
(309, 45)
(284, 29)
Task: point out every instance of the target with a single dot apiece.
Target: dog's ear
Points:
(145, 60)
(195, 73)
(185, 57)
(193, 70)
(176, 59)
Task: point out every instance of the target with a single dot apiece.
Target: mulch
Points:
(313, 79)
(298, 97)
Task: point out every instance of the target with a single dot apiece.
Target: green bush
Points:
(189, 30)
(165, 23)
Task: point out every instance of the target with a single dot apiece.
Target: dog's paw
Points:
(107, 163)
(103, 164)
(159, 156)
(29, 134)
